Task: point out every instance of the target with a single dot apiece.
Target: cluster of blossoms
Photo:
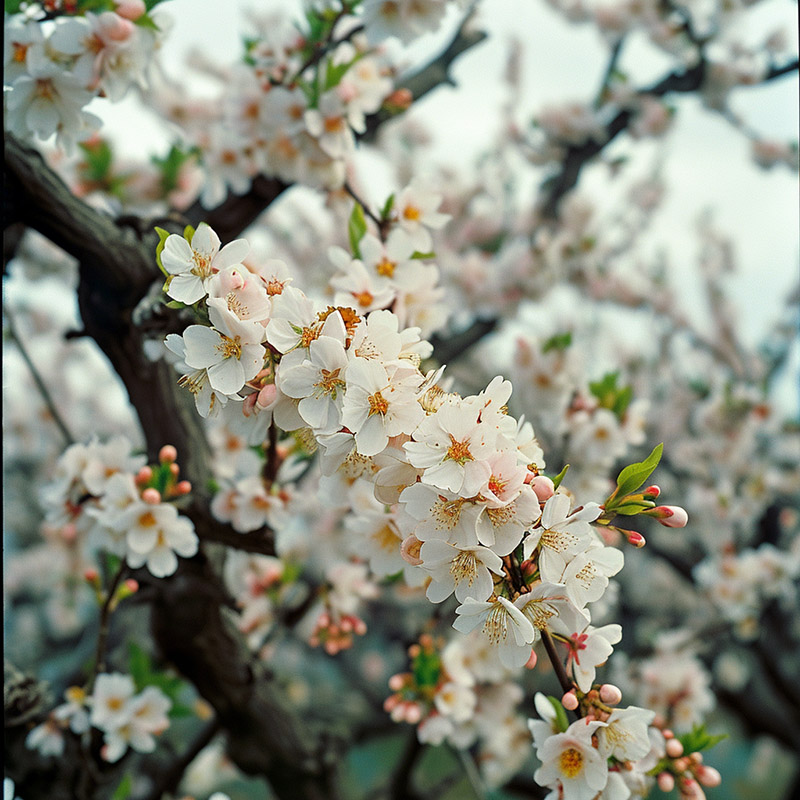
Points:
(111, 501)
(125, 717)
(54, 67)
(445, 489)
(293, 110)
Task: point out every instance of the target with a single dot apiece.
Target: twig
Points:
(400, 787)
(611, 68)
(37, 379)
(555, 660)
(105, 620)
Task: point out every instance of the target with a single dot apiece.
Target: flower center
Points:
(229, 348)
(202, 265)
(412, 213)
(446, 512)
(377, 404)
(570, 762)
(364, 298)
(329, 381)
(459, 451)
(385, 268)
(496, 625)
(464, 567)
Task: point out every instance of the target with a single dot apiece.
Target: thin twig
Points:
(37, 379)
(555, 660)
(105, 620)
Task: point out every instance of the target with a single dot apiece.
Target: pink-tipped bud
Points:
(117, 28)
(636, 539)
(167, 454)
(346, 625)
(543, 488)
(248, 404)
(144, 475)
(267, 396)
(610, 694)
(183, 487)
(569, 701)
(682, 764)
(532, 659)
(132, 585)
(669, 516)
(674, 748)
(399, 100)
(413, 713)
(666, 782)
(174, 470)
(92, 577)
(397, 682)
(409, 550)
(390, 703)
(667, 733)
(708, 776)
(131, 9)
(151, 496)
(651, 492)
(69, 532)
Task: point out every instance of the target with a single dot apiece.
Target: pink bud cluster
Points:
(336, 634)
(685, 770)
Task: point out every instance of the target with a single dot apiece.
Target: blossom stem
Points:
(349, 189)
(105, 619)
(37, 379)
(558, 666)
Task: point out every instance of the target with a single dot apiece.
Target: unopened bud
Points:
(651, 492)
(267, 396)
(532, 659)
(151, 496)
(174, 470)
(669, 516)
(117, 28)
(131, 9)
(674, 748)
(69, 532)
(184, 487)
(413, 713)
(144, 475)
(610, 694)
(399, 100)
(167, 454)
(543, 487)
(92, 577)
(569, 701)
(666, 782)
(397, 682)
(409, 550)
(708, 776)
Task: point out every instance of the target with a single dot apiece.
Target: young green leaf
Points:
(560, 477)
(633, 476)
(356, 228)
(162, 238)
(561, 714)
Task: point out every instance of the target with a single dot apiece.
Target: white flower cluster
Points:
(95, 492)
(127, 719)
(611, 756)
(53, 68)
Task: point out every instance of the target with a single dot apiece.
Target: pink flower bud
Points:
(651, 492)
(92, 576)
(610, 694)
(543, 487)
(708, 776)
(390, 703)
(531, 662)
(248, 405)
(131, 9)
(69, 533)
(184, 487)
(267, 396)
(667, 733)
(174, 470)
(151, 496)
(669, 516)
(665, 782)
(396, 682)
(674, 748)
(167, 454)
(413, 713)
(144, 475)
(132, 585)
(409, 550)
(635, 538)
(569, 701)
(115, 27)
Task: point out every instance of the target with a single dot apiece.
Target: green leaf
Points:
(427, 668)
(699, 739)
(146, 21)
(632, 509)
(13, 6)
(416, 254)
(356, 228)
(561, 715)
(560, 341)
(560, 477)
(633, 477)
(98, 157)
(387, 206)
(188, 233)
(162, 238)
(123, 790)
